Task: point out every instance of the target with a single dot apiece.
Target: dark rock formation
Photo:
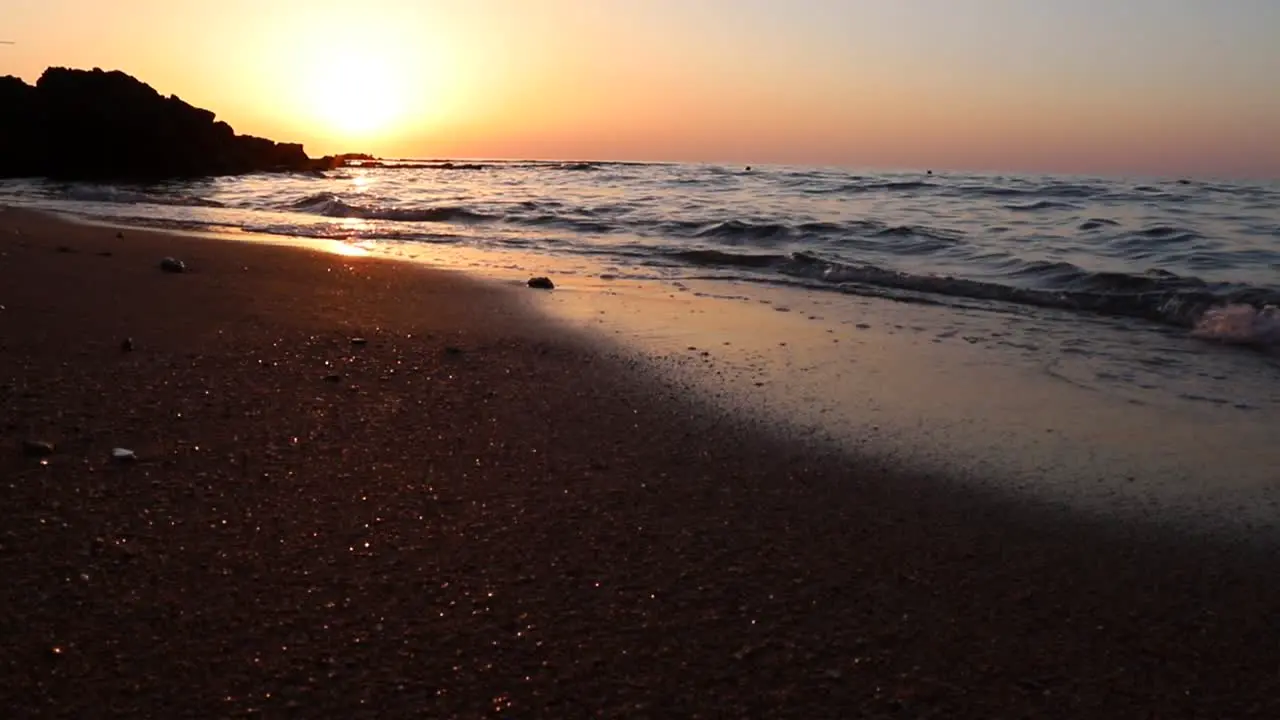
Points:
(96, 125)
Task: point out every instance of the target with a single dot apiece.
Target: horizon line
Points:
(832, 166)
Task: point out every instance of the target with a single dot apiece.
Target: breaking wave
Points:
(1161, 297)
(330, 205)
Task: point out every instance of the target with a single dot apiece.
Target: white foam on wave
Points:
(1240, 325)
(330, 205)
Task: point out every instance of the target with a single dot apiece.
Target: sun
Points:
(361, 87)
(358, 93)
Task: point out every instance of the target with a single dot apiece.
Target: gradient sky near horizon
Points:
(1139, 87)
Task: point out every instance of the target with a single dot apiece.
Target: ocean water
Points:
(1197, 255)
(1111, 343)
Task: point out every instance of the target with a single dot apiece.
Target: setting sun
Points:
(350, 82)
(356, 93)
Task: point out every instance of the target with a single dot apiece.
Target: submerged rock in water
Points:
(541, 283)
(37, 448)
(173, 265)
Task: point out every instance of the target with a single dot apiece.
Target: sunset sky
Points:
(1161, 87)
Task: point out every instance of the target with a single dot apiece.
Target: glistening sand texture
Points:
(524, 528)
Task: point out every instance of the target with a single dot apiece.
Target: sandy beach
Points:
(372, 489)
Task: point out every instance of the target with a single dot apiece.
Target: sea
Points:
(1104, 342)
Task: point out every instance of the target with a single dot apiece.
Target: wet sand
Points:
(1014, 406)
(477, 514)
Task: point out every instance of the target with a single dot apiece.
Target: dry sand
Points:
(475, 514)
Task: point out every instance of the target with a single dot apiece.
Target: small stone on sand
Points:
(126, 345)
(333, 378)
(541, 283)
(359, 341)
(173, 265)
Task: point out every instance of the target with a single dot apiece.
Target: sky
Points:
(1132, 87)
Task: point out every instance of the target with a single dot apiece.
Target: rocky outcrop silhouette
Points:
(96, 125)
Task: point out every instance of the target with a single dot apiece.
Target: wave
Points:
(330, 205)
(1048, 190)
(718, 258)
(1158, 296)
(590, 227)
(1097, 224)
(454, 166)
(1043, 205)
(732, 231)
(1162, 231)
(1240, 325)
(744, 230)
(119, 195)
(891, 186)
(913, 231)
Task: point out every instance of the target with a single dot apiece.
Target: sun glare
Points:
(357, 93)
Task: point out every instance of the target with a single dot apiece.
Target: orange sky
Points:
(1144, 87)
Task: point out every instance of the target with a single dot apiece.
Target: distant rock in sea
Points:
(96, 125)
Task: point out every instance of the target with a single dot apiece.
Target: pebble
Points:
(541, 283)
(333, 378)
(173, 265)
(123, 455)
(126, 345)
(359, 341)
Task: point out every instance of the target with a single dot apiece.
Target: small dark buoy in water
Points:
(929, 172)
(748, 168)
